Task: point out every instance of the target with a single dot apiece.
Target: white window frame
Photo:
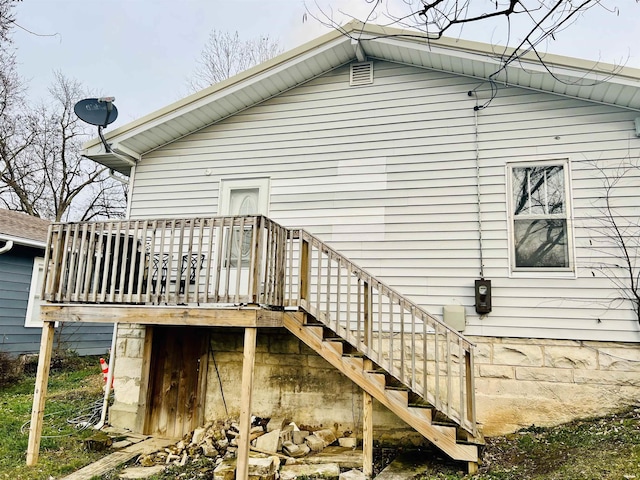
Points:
(551, 272)
(32, 317)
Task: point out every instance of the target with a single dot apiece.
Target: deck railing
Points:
(176, 261)
(253, 260)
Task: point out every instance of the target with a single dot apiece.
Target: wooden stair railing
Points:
(359, 370)
(422, 353)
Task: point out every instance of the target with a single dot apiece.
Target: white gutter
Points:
(22, 241)
(7, 246)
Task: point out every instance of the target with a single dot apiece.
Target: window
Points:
(539, 217)
(35, 291)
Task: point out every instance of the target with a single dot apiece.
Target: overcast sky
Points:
(143, 51)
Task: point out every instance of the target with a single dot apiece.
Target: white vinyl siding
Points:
(386, 173)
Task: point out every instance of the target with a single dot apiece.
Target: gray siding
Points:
(16, 267)
(387, 174)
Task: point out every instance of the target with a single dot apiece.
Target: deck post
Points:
(248, 361)
(367, 434)
(470, 387)
(40, 393)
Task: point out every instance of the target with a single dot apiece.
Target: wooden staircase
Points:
(379, 385)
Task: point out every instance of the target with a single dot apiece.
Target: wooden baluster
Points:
(305, 272)
(199, 261)
(449, 375)
(228, 255)
(470, 387)
(143, 261)
(123, 236)
(71, 265)
(91, 256)
(99, 277)
(114, 240)
(241, 233)
(46, 280)
(436, 350)
(209, 269)
(80, 272)
(168, 295)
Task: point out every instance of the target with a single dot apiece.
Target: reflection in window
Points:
(539, 217)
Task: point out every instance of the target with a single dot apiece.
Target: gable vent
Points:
(361, 73)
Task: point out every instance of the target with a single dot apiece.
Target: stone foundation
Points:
(519, 382)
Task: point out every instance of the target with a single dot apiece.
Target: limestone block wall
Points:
(520, 382)
(127, 375)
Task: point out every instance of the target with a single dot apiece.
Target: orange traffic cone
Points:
(104, 366)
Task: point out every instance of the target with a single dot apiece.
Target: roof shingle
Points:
(21, 225)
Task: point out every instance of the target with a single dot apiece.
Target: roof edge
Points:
(23, 241)
(368, 32)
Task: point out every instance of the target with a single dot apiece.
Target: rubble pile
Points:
(218, 441)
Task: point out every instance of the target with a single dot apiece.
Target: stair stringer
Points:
(443, 437)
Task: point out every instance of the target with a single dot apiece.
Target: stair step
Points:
(422, 413)
(417, 401)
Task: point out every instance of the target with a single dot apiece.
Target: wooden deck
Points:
(252, 273)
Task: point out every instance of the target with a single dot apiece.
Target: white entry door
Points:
(241, 197)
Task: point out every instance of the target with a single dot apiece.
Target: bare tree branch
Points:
(226, 54)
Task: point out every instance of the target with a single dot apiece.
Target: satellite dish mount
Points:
(97, 111)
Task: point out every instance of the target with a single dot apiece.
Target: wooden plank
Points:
(40, 393)
(114, 460)
(163, 315)
(248, 362)
(367, 429)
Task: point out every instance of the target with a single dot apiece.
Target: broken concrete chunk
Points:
(348, 442)
(327, 436)
(208, 450)
(141, 472)
(198, 436)
(329, 471)
(292, 450)
(354, 474)
(263, 468)
(298, 437)
(226, 470)
(276, 423)
(315, 444)
(269, 441)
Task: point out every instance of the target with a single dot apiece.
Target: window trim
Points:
(550, 272)
(35, 289)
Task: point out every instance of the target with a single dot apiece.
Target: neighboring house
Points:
(22, 243)
(372, 141)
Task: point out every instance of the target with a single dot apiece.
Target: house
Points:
(23, 239)
(372, 214)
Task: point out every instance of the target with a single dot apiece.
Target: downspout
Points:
(7, 246)
(107, 387)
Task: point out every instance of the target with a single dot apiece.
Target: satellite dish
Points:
(97, 111)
